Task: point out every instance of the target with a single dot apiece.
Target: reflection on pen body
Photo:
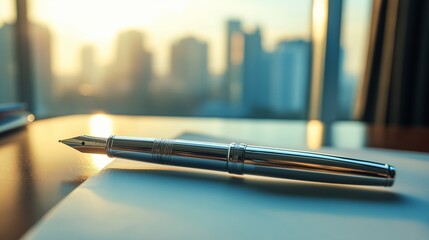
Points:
(239, 158)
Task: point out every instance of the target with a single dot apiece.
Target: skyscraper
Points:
(290, 78)
(234, 61)
(7, 64)
(133, 63)
(130, 75)
(189, 66)
(346, 89)
(42, 68)
(88, 65)
(255, 73)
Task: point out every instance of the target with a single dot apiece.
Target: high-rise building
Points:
(347, 89)
(88, 84)
(234, 61)
(41, 55)
(7, 64)
(290, 78)
(129, 77)
(255, 73)
(133, 64)
(189, 66)
(88, 65)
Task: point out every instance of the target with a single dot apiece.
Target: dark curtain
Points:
(395, 88)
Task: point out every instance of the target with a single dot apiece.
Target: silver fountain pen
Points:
(239, 158)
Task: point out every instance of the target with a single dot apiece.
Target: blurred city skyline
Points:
(259, 75)
(163, 22)
(77, 23)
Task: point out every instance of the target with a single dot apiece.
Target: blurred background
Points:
(177, 57)
(319, 60)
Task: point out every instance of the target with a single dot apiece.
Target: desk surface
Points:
(36, 172)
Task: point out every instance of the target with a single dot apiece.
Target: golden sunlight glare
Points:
(314, 134)
(320, 15)
(100, 125)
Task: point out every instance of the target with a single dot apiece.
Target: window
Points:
(178, 57)
(197, 58)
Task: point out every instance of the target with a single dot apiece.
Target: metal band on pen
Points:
(109, 145)
(162, 149)
(235, 158)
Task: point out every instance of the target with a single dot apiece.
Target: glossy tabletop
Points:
(36, 171)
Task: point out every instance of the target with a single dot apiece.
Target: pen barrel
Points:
(176, 152)
(247, 159)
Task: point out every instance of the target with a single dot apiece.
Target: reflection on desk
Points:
(36, 172)
(132, 199)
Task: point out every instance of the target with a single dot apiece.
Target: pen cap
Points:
(310, 166)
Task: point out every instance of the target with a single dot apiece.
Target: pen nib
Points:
(86, 144)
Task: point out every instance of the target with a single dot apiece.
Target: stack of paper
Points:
(12, 115)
